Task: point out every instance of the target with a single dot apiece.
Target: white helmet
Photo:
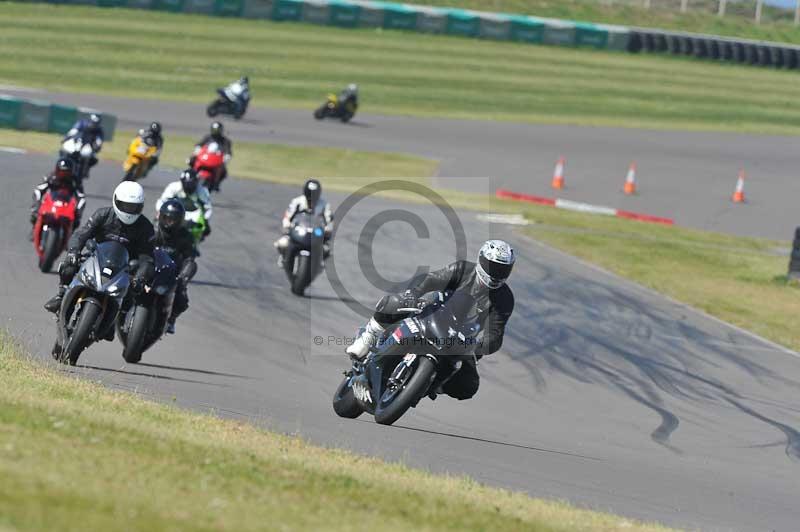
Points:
(495, 262)
(128, 201)
(352, 88)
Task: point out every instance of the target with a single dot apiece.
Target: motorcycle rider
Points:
(151, 136)
(90, 130)
(310, 201)
(175, 239)
(189, 187)
(122, 222)
(238, 92)
(216, 134)
(349, 97)
(486, 282)
(62, 177)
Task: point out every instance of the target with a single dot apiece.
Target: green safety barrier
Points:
(559, 32)
(344, 14)
(34, 115)
(590, 35)
(10, 109)
(399, 17)
(432, 20)
(202, 7)
(258, 8)
(287, 10)
(497, 27)
(461, 22)
(527, 29)
(315, 12)
(61, 118)
(111, 3)
(229, 8)
(141, 4)
(168, 5)
(371, 15)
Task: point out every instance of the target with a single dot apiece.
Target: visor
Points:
(129, 208)
(496, 270)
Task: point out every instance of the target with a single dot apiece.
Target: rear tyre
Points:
(212, 110)
(134, 340)
(90, 311)
(51, 249)
(319, 114)
(302, 278)
(344, 401)
(414, 389)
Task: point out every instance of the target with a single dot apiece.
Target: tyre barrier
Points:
(479, 24)
(36, 115)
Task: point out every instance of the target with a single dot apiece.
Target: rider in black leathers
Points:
(174, 238)
(485, 281)
(123, 223)
(62, 176)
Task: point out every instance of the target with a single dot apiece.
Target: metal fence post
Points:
(722, 4)
(759, 6)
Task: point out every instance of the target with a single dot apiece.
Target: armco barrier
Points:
(36, 115)
(469, 23)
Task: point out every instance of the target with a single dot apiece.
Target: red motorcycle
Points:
(209, 163)
(53, 228)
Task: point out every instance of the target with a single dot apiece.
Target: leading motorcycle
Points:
(92, 300)
(305, 255)
(412, 360)
(333, 108)
(225, 105)
(54, 223)
(81, 152)
(143, 318)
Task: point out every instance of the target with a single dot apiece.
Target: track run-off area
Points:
(604, 394)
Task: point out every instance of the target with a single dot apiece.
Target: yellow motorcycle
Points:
(333, 108)
(140, 158)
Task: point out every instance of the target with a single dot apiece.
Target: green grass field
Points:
(77, 456)
(168, 56)
(776, 24)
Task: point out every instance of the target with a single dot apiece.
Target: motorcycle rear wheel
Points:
(212, 110)
(52, 248)
(416, 386)
(344, 401)
(79, 340)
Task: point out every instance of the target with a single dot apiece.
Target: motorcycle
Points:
(305, 256)
(143, 318)
(93, 299)
(209, 164)
(137, 163)
(225, 105)
(333, 109)
(81, 153)
(194, 219)
(413, 360)
(57, 212)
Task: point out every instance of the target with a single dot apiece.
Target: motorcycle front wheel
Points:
(79, 340)
(51, 249)
(134, 340)
(344, 401)
(213, 109)
(395, 402)
(302, 277)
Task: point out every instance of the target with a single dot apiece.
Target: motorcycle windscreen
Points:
(453, 326)
(112, 258)
(307, 226)
(166, 270)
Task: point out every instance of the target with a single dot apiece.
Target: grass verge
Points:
(740, 280)
(76, 456)
(138, 53)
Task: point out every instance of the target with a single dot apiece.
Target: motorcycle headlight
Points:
(300, 230)
(86, 151)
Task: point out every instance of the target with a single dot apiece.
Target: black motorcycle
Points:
(143, 318)
(333, 108)
(81, 152)
(92, 300)
(413, 360)
(226, 106)
(305, 255)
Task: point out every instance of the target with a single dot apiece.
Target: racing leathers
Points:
(103, 226)
(155, 139)
(238, 92)
(179, 244)
(93, 135)
(201, 198)
(494, 308)
(42, 188)
(298, 205)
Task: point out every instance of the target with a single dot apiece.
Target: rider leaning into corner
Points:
(349, 96)
(239, 93)
(62, 177)
(216, 134)
(189, 187)
(151, 135)
(174, 238)
(122, 222)
(310, 201)
(91, 130)
(486, 282)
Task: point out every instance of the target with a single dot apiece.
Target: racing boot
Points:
(365, 341)
(171, 326)
(54, 303)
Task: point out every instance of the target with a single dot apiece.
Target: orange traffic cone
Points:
(630, 180)
(558, 174)
(738, 194)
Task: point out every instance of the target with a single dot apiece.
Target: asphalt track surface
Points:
(604, 394)
(688, 176)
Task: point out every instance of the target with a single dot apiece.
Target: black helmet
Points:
(170, 215)
(495, 262)
(312, 190)
(155, 128)
(245, 80)
(62, 173)
(189, 180)
(216, 129)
